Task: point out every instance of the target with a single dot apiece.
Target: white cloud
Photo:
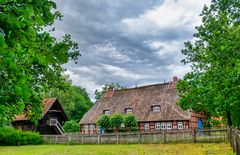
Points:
(166, 48)
(85, 82)
(124, 73)
(171, 14)
(178, 70)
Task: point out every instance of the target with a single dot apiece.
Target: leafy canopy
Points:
(213, 84)
(30, 58)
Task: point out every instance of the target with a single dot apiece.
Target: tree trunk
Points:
(229, 119)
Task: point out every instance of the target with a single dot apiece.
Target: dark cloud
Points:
(123, 41)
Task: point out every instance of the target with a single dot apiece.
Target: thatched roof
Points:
(140, 99)
(47, 104)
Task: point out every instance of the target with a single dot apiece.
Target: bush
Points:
(103, 121)
(116, 120)
(130, 121)
(11, 136)
(71, 126)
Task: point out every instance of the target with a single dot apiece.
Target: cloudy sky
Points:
(128, 41)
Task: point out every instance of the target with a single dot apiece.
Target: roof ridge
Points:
(144, 86)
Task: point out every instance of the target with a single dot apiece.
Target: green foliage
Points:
(103, 121)
(30, 58)
(10, 136)
(130, 121)
(74, 100)
(116, 120)
(71, 126)
(100, 93)
(213, 84)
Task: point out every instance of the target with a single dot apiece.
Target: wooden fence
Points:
(169, 136)
(234, 138)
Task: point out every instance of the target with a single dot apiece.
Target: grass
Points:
(132, 149)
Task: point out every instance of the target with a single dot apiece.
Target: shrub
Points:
(116, 120)
(71, 126)
(11, 136)
(130, 121)
(103, 121)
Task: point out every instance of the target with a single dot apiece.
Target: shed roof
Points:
(47, 104)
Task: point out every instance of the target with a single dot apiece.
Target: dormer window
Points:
(107, 112)
(128, 111)
(156, 108)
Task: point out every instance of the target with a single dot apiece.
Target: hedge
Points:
(11, 136)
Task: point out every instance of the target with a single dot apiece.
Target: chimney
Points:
(175, 79)
(109, 92)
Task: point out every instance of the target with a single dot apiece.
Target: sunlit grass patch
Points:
(133, 149)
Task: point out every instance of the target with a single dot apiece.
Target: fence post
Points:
(164, 137)
(55, 139)
(194, 136)
(69, 139)
(237, 145)
(99, 138)
(117, 137)
(139, 138)
(82, 139)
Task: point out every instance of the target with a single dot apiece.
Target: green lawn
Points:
(141, 149)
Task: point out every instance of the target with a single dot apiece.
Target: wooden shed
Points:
(53, 118)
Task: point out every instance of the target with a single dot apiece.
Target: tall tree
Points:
(213, 84)
(100, 93)
(30, 58)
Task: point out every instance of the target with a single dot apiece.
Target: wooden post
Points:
(237, 145)
(194, 136)
(69, 139)
(99, 139)
(164, 137)
(117, 138)
(82, 139)
(55, 139)
(139, 138)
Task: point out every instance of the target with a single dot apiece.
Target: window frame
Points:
(157, 125)
(128, 112)
(180, 124)
(156, 108)
(163, 125)
(146, 126)
(169, 125)
(105, 112)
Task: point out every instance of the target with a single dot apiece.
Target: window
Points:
(169, 125)
(107, 112)
(163, 126)
(180, 125)
(122, 125)
(156, 108)
(146, 126)
(128, 110)
(92, 127)
(157, 126)
(86, 127)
